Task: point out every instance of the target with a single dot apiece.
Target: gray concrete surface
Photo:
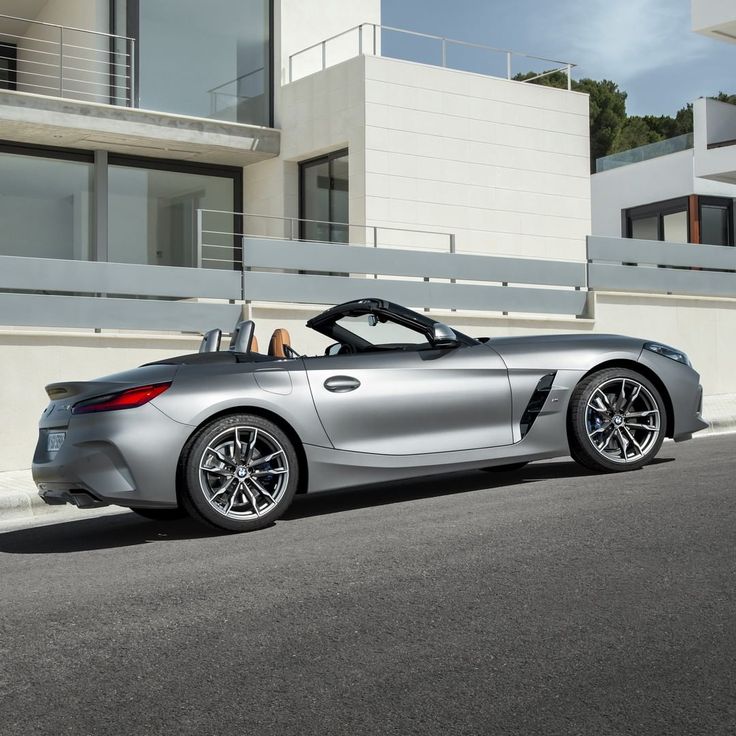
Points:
(547, 601)
(19, 498)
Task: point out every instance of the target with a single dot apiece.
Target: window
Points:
(324, 198)
(381, 331)
(709, 218)
(202, 59)
(152, 212)
(659, 221)
(716, 221)
(46, 204)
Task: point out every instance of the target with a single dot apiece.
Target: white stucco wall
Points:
(503, 165)
(637, 184)
(320, 113)
(707, 15)
(646, 182)
(299, 24)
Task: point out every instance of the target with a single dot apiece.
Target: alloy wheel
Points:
(244, 472)
(622, 420)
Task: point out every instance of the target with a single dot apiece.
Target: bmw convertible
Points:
(229, 436)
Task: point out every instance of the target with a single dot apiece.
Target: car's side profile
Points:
(230, 436)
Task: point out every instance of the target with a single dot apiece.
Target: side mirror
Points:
(333, 349)
(443, 336)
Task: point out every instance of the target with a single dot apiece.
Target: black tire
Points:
(161, 514)
(509, 468)
(220, 487)
(594, 431)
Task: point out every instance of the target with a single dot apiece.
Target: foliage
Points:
(611, 129)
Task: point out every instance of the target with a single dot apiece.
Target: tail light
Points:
(128, 399)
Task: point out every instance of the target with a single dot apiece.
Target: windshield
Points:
(377, 330)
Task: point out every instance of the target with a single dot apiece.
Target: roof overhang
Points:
(52, 121)
(715, 19)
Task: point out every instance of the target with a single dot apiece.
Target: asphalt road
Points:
(547, 601)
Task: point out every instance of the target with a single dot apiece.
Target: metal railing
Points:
(63, 61)
(286, 271)
(657, 267)
(644, 153)
(373, 39)
(220, 234)
(43, 292)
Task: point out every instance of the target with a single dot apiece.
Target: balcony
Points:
(66, 86)
(396, 43)
(61, 61)
(644, 153)
(715, 140)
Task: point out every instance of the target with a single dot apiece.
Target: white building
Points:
(167, 166)
(680, 190)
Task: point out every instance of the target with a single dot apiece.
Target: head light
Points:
(667, 352)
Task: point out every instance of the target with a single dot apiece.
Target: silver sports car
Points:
(229, 436)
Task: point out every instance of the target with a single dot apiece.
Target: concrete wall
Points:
(31, 361)
(502, 164)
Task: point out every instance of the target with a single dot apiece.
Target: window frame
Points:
(101, 203)
(327, 158)
(726, 203)
(658, 210)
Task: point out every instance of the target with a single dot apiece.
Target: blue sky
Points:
(646, 46)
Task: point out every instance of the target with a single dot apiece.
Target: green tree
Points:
(611, 130)
(636, 131)
(723, 97)
(607, 115)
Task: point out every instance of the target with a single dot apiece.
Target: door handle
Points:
(341, 384)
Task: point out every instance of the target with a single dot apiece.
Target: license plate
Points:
(54, 441)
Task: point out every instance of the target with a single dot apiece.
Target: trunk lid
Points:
(65, 394)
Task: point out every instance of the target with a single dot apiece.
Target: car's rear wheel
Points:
(617, 420)
(160, 514)
(239, 473)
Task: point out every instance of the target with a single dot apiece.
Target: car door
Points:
(413, 402)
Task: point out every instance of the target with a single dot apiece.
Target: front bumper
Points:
(127, 458)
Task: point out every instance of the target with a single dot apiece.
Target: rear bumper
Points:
(126, 458)
(78, 498)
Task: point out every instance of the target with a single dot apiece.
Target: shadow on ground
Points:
(128, 529)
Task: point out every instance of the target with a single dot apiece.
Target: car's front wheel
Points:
(617, 420)
(239, 473)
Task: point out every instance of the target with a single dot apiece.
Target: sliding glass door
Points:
(323, 186)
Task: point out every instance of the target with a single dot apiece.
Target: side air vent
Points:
(536, 402)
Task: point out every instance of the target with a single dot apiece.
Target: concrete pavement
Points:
(546, 601)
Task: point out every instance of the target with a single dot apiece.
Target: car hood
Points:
(561, 352)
